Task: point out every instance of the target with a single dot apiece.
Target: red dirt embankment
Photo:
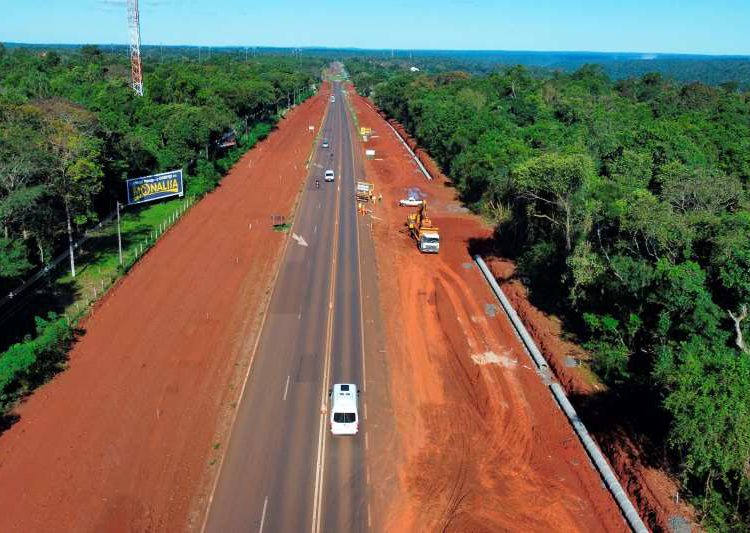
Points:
(123, 439)
(483, 446)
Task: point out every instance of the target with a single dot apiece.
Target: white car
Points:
(344, 415)
(410, 202)
(325, 143)
(328, 176)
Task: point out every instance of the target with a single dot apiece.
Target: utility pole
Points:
(119, 233)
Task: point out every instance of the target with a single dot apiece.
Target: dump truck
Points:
(365, 191)
(421, 228)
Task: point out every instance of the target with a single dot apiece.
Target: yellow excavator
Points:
(421, 228)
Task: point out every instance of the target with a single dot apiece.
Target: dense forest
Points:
(72, 130)
(625, 205)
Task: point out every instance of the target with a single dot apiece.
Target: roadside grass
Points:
(98, 263)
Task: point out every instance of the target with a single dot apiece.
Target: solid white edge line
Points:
(355, 160)
(255, 348)
(320, 460)
(359, 272)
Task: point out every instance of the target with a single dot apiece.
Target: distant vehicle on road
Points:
(325, 143)
(410, 202)
(328, 176)
(344, 415)
(333, 98)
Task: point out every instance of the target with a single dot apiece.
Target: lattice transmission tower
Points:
(134, 27)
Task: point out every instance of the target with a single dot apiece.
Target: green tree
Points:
(709, 398)
(77, 174)
(553, 185)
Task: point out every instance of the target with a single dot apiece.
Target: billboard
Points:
(155, 187)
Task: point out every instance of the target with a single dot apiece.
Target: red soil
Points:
(123, 440)
(481, 447)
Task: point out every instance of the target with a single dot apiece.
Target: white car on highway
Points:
(411, 201)
(344, 415)
(328, 176)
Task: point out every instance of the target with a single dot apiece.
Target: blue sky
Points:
(680, 26)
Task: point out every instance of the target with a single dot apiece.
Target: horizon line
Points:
(411, 50)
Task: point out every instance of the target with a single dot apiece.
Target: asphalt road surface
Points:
(283, 470)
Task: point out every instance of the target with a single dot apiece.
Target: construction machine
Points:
(421, 228)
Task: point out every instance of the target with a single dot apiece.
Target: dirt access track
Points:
(126, 438)
(480, 445)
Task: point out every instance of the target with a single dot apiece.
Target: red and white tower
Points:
(134, 27)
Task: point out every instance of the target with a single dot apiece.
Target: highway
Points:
(283, 470)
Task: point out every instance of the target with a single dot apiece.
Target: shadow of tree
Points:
(49, 363)
(17, 317)
(7, 421)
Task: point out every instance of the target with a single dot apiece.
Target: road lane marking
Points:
(355, 169)
(300, 239)
(320, 459)
(286, 389)
(263, 516)
(359, 272)
(266, 307)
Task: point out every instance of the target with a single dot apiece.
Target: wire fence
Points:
(97, 264)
